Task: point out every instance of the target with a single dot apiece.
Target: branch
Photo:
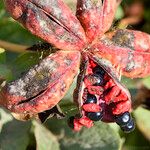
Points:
(13, 47)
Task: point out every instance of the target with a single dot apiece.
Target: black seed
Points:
(100, 80)
(95, 116)
(129, 126)
(94, 79)
(70, 122)
(99, 71)
(123, 119)
(91, 99)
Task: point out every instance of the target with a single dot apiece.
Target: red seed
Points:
(109, 84)
(122, 97)
(85, 121)
(121, 107)
(92, 107)
(112, 94)
(77, 125)
(91, 79)
(95, 90)
(92, 64)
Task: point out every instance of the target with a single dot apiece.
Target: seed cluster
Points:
(125, 121)
(102, 100)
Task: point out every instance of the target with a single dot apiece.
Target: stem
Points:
(13, 47)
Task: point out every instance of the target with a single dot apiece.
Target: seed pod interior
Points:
(98, 92)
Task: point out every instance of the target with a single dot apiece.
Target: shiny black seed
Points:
(95, 116)
(91, 99)
(70, 122)
(123, 119)
(100, 80)
(129, 126)
(94, 79)
(99, 71)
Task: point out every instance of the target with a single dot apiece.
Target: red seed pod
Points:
(88, 12)
(51, 20)
(110, 97)
(51, 77)
(127, 50)
(107, 14)
(96, 17)
(81, 37)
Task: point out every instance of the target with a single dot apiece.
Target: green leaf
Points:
(130, 83)
(11, 31)
(2, 10)
(24, 62)
(4, 117)
(146, 82)
(15, 135)
(99, 137)
(135, 141)
(119, 13)
(2, 56)
(45, 140)
(5, 72)
(143, 122)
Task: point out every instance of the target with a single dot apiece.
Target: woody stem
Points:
(13, 47)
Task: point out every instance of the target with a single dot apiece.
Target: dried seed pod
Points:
(127, 50)
(108, 103)
(96, 17)
(104, 59)
(107, 14)
(88, 12)
(50, 20)
(43, 86)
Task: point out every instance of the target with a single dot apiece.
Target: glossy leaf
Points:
(132, 141)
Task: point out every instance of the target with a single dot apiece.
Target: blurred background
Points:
(55, 134)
